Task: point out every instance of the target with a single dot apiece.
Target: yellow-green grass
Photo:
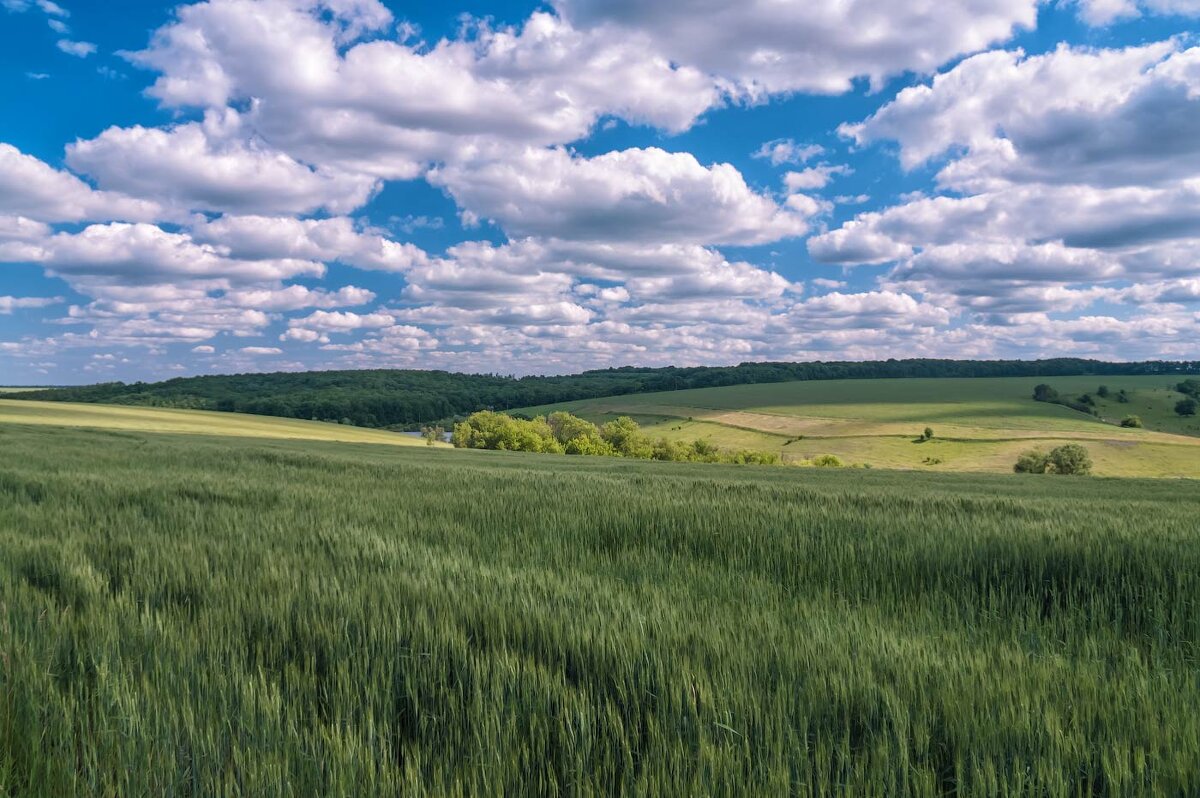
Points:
(196, 422)
(980, 424)
(19, 388)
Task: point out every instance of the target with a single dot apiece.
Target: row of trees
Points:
(563, 433)
(407, 399)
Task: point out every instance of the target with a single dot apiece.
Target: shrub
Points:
(1134, 422)
(928, 433)
(1044, 393)
(1189, 387)
(1185, 407)
(1071, 459)
(432, 435)
(827, 461)
(1032, 462)
(1102, 391)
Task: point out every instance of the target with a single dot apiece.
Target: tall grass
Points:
(183, 616)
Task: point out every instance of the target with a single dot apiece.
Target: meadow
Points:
(194, 615)
(980, 424)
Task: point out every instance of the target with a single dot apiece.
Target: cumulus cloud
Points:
(210, 166)
(646, 195)
(325, 97)
(1091, 179)
(768, 47)
(32, 189)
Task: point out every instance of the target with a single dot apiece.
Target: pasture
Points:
(980, 424)
(194, 615)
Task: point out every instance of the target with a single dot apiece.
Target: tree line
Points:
(407, 399)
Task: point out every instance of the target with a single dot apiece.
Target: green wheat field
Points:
(192, 615)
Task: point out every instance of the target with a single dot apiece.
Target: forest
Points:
(405, 399)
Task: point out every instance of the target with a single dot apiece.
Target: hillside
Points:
(400, 398)
(192, 422)
(979, 424)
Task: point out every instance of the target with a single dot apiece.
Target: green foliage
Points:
(1185, 407)
(1069, 459)
(181, 616)
(825, 461)
(407, 399)
(928, 434)
(1133, 422)
(1032, 462)
(1102, 392)
(1189, 387)
(490, 430)
(1044, 393)
(563, 433)
(433, 434)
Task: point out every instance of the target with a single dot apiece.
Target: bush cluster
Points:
(1069, 459)
(563, 433)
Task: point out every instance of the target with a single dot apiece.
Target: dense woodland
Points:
(406, 399)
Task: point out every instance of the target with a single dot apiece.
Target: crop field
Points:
(980, 424)
(200, 422)
(194, 615)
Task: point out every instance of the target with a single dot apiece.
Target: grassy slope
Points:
(980, 424)
(191, 615)
(155, 419)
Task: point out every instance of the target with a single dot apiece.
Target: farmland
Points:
(197, 422)
(189, 614)
(980, 424)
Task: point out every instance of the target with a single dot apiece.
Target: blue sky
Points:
(250, 185)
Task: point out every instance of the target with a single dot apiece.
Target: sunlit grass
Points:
(980, 424)
(202, 422)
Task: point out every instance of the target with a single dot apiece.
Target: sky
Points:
(519, 187)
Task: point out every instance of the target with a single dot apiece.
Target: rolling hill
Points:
(980, 424)
(193, 422)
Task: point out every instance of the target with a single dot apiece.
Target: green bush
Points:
(928, 433)
(1071, 459)
(1185, 407)
(1032, 462)
(827, 461)
(1133, 422)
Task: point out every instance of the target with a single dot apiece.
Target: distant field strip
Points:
(193, 422)
(980, 424)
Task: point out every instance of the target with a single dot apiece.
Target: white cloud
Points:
(815, 177)
(204, 349)
(645, 195)
(261, 350)
(768, 46)
(1073, 172)
(324, 98)
(77, 49)
(781, 151)
(10, 303)
(1104, 12)
(32, 189)
(336, 239)
(210, 166)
